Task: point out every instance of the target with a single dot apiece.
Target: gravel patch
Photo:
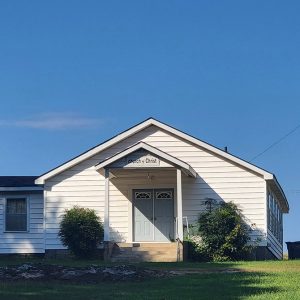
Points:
(90, 274)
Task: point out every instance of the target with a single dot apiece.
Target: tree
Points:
(81, 230)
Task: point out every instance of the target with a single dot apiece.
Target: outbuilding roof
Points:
(17, 181)
(14, 183)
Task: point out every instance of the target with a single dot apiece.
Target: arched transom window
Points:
(142, 195)
(164, 195)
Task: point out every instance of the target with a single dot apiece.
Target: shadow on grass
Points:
(199, 286)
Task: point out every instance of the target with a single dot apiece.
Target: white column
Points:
(106, 208)
(179, 206)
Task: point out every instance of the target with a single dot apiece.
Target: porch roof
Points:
(185, 167)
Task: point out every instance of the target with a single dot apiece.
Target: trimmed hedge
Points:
(81, 230)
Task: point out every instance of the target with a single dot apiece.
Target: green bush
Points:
(224, 235)
(81, 230)
(197, 251)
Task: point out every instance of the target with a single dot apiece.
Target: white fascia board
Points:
(118, 156)
(193, 172)
(186, 167)
(92, 152)
(213, 149)
(266, 175)
(279, 191)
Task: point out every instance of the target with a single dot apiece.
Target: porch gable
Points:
(124, 159)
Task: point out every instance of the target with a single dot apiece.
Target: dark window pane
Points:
(16, 214)
(16, 222)
(16, 206)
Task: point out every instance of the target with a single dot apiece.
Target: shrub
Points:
(224, 235)
(81, 230)
(196, 249)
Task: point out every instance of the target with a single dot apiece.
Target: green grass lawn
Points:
(257, 280)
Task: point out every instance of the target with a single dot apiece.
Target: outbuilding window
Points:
(16, 214)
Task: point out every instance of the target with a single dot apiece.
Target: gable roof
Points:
(186, 168)
(149, 122)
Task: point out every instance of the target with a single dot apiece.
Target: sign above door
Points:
(141, 159)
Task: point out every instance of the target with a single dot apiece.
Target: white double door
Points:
(153, 215)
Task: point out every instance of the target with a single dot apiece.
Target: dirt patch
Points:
(90, 274)
(95, 273)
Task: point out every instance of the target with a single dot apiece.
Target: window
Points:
(270, 211)
(142, 195)
(164, 195)
(274, 216)
(16, 214)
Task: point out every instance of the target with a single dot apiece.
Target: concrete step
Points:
(124, 245)
(161, 259)
(139, 253)
(136, 252)
(144, 258)
(126, 260)
(144, 253)
(154, 249)
(141, 259)
(146, 245)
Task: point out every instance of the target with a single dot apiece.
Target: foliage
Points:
(224, 235)
(264, 280)
(81, 230)
(197, 251)
(194, 242)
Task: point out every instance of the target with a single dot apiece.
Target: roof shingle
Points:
(17, 181)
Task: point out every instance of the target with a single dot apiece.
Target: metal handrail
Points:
(177, 235)
(187, 226)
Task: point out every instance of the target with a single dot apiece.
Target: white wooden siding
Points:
(218, 178)
(31, 241)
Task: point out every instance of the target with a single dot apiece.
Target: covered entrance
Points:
(153, 215)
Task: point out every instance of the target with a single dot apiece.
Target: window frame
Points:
(27, 213)
(274, 215)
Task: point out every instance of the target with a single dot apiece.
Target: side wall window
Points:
(16, 214)
(274, 216)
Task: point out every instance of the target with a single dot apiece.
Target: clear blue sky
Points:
(74, 73)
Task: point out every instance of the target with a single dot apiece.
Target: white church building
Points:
(147, 184)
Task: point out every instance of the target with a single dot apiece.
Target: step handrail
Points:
(177, 236)
(187, 226)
